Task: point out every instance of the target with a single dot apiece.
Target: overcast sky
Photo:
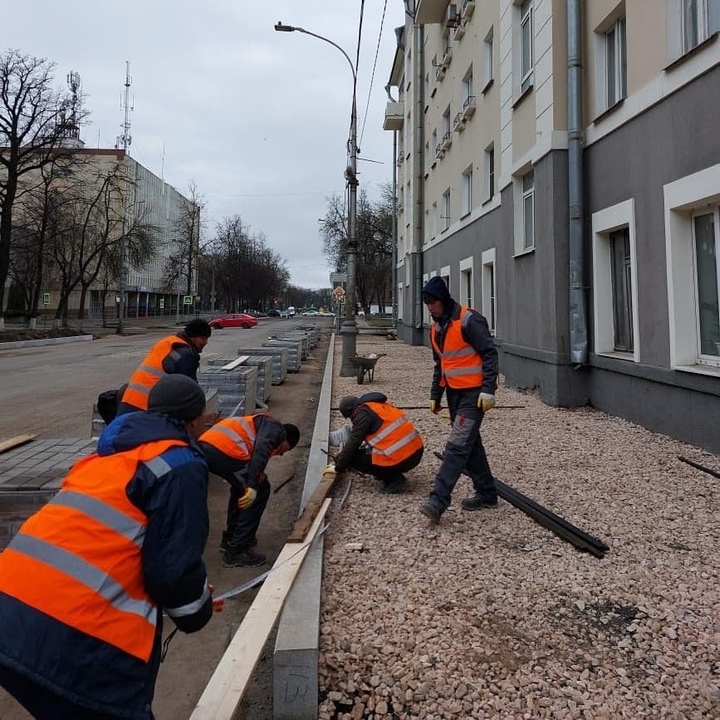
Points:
(258, 119)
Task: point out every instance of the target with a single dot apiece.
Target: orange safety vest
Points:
(460, 365)
(150, 371)
(78, 559)
(396, 439)
(234, 436)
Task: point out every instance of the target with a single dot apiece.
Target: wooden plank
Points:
(14, 442)
(311, 508)
(234, 363)
(223, 693)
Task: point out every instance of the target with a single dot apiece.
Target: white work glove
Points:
(329, 469)
(247, 498)
(486, 401)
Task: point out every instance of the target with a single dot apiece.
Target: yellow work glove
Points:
(329, 469)
(486, 401)
(435, 406)
(247, 498)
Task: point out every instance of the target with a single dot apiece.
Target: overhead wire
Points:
(372, 77)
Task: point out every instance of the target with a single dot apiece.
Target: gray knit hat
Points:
(178, 396)
(347, 405)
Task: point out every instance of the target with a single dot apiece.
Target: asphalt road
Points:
(51, 389)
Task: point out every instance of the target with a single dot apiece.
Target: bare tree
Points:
(33, 124)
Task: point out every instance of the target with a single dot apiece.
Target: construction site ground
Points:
(50, 391)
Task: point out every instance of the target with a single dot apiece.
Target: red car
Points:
(240, 320)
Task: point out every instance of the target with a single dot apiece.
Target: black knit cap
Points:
(178, 396)
(292, 434)
(198, 328)
(435, 289)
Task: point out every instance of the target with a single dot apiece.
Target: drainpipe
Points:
(577, 309)
(418, 178)
(393, 275)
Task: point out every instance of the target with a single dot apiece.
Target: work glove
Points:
(329, 469)
(486, 401)
(247, 498)
(435, 406)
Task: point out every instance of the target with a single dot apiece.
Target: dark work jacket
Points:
(364, 423)
(171, 491)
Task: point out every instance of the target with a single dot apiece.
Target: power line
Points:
(372, 78)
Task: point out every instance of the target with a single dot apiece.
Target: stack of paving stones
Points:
(236, 388)
(264, 365)
(31, 474)
(297, 336)
(294, 348)
(279, 356)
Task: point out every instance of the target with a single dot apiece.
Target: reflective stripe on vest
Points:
(151, 370)
(78, 559)
(235, 436)
(396, 440)
(460, 365)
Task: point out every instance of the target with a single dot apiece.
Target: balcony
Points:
(459, 122)
(468, 8)
(468, 107)
(394, 116)
(447, 58)
(439, 73)
(452, 17)
(431, 11)
(440, 150)
(459, 31)
(447, 140)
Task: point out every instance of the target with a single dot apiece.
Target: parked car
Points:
(241, 320)
(291, 311)
(285, 314)
(310, 313)
(273, 312)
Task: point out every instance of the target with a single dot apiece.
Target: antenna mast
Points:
(125, 140)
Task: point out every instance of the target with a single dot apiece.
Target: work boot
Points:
(226, 542)
(245, 557)
(431, 511)
(393, 487)
(478, 502)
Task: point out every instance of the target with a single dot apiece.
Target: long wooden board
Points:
(223, 693)
(303, 523)
(14, 442)
(236, 362)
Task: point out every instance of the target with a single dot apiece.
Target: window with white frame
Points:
(526, 45)
(489, 161)
(706, 236)
(615, 63)
(434, 220)
(698, 20)
(488, 68)
(615, 317)
(467, 191)
(466, 282)
(528, 210)
(446, 123)
(445, 277)
(445, 217)
(488, 288)
(467, 86)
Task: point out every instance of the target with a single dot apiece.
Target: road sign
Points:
(187, 299)
(46, 298)
(162, 303)
(338, 277)
(339, 294)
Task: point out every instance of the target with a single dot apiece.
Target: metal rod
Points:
(698, 466)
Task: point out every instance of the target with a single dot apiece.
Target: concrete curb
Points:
(45, 341)
(296, 658)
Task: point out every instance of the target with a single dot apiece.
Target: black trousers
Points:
(464, 451)
(362, 461)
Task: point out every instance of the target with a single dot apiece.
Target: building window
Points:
(615, 63)
(488, 70)
(695, 21)
(528, 210)
(445, 217)
(489, 192)
(526, 45)
(446, 123)
(705, 231)
(434, 220)
(466, 282)
(467, 85)
(467, 191)
(488, 289)
(621, 279)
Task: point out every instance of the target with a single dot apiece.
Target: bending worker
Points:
(238, 450)
(177, 354)
(382, 442)
(466, 369)
(85, 581)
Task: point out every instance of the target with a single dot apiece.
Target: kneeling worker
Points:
(238, 450)
(381, 442)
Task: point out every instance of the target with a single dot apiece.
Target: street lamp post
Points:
(348, 329)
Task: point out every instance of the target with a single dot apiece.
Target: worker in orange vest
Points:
(466, 370)
(175, 354)
(238, 450)
(85, 581)
(382, 441)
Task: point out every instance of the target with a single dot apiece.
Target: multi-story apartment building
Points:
(559, 165)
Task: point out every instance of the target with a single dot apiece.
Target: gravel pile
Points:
(488, 614)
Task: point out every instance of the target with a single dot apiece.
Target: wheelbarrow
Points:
(365, 367)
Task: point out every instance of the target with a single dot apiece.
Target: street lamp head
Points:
(279, 27)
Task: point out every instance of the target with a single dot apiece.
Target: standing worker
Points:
(466, 369)
(238, 450)
(85, 581)
(177, 354)
(382, 442)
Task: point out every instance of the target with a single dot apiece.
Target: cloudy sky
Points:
(258, 119)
